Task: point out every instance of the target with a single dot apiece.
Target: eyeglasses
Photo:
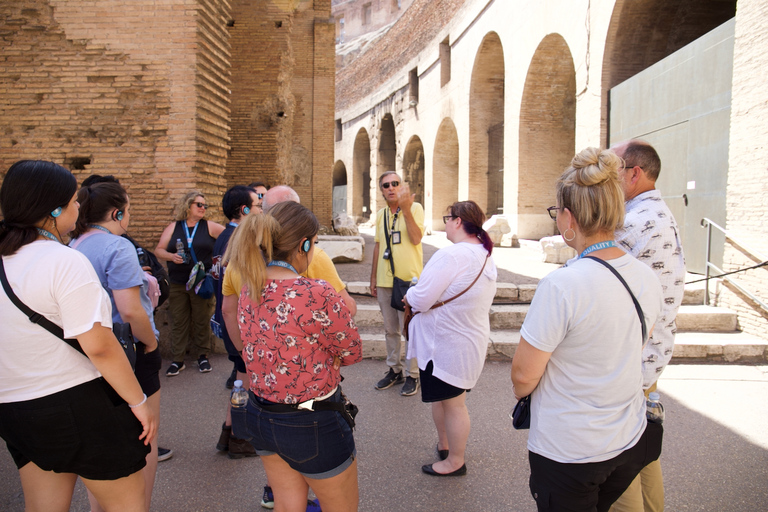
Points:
(446, 218)
(259, 195)
(553, 212)
(392, 183)
(202, 205)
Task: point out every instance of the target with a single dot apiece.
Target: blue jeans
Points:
(317, 444)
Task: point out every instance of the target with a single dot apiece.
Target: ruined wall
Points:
(119, 87)
(283, 98)
(382, 13)
(748, 164)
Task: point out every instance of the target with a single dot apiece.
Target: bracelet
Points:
(140, 403)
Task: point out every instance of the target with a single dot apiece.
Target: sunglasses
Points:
(202, 205)
(259, 195)
(392, 183)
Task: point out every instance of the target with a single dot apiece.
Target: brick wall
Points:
(748, 164)
(283, 67)
(118, 87)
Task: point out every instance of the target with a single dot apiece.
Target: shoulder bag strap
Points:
(637, 304)
(386, 236)
(444, 302)
(34, 317)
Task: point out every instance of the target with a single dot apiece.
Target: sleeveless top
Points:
(202, 244)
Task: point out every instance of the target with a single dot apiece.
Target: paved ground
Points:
(715, 453)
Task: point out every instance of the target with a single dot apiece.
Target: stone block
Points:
(342, 249)
(497, 226)
(555, 250)
(344, 225)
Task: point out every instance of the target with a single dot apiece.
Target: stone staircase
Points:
(705, 333)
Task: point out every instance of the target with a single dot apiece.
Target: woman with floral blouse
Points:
(296, 334)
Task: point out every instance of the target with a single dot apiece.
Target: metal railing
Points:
(709, 224)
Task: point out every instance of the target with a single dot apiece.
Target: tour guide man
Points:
(404, 219)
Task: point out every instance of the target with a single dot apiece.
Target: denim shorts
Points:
(317, 444)
(87, 430)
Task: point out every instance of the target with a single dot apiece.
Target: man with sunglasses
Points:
(261, 190)
(651, 235)
(399, 228)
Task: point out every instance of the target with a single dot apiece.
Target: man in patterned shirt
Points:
(651, 235)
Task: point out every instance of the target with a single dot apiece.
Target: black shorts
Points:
(87, 430)
(148, 369)
(232, 353)
(434, 389)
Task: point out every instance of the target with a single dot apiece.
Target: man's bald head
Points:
(278, 194)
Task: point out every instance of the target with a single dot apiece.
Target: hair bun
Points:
(594, 166)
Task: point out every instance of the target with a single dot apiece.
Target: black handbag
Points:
(122, 331)
(521, 414)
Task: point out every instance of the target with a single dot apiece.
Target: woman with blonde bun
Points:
(580, 348)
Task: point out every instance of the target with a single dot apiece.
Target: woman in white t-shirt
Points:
(105, 213)
(450, 340)
(63, 414)
(580, 350)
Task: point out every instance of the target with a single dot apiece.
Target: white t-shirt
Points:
(60, 284)
(455, 336)
(589, 405)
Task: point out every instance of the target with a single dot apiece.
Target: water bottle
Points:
(180, 250)
(654, 410)
(143, 258)
(239, 396)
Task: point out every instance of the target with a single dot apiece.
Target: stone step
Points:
(511, 316)
(523, 293)
(689, 347)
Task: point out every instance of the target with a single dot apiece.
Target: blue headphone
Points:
(246, 210)
(119, 215)
(306, 245)
(55, 213)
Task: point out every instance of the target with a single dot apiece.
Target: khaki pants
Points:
(189, 312)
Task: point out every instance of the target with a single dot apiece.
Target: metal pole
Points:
(709, 243)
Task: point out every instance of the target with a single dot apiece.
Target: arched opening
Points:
(445, 171)
(642, 33)
(413, 167)
(387, 146)
(361, 176)
(486, 127)
(547, 134)
(339, 187)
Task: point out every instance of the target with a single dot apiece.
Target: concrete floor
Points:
(715, 452)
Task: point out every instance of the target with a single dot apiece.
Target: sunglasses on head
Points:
(202, 205)
(391, 183)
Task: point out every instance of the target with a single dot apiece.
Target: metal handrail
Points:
(708, 224)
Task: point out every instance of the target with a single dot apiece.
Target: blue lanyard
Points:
(280, 263)
(597, 247)
(96, 226)
(48, 234)
(186, 232)
(233, 224)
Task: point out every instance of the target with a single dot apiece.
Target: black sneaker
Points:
(203, 365)
(389, 380)
(410, 387)
(232, 378)
(164, 454)
(267, 499)
(174, 369)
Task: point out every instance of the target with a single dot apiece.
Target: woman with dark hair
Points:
(63, 414)
(449, 335)
(105, 213)
(188, 309)
(297, 333)
(580, 350)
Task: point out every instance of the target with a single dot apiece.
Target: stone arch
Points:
(486, 126)
(361, 176)
(339, 187)
(547, 134)
(445, 171)
(387, 150)
(642, 33)
(413, 167)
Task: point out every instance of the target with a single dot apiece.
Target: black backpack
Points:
(156, 269)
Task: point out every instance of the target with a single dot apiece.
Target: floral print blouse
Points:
(291, 337)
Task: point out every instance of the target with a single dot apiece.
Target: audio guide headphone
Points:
(55, 213)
